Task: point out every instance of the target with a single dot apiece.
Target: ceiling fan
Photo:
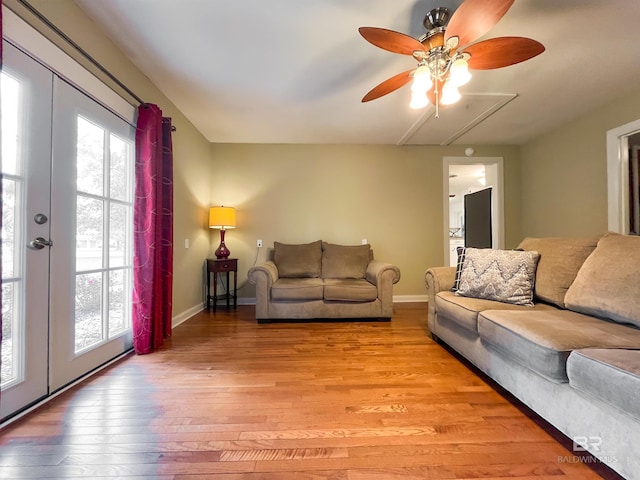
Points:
(446, 52)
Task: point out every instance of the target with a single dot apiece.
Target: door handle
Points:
(39, 243)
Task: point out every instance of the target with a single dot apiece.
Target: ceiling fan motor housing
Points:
(438, 17)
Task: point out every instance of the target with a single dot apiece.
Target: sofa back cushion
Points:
(607, 284)
(345, 261)
(560, 260)
(301, 260)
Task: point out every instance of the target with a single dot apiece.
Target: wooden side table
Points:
(223, 265)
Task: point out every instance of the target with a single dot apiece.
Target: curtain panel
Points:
(153, 230)
(1, 213)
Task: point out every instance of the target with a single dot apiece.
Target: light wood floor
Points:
(229, 399)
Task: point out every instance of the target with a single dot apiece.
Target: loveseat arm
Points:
(437, 279)
(377, 271)
(263, 276)
(383, 275)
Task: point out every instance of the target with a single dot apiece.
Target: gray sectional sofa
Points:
(572, 354)
(321, 280)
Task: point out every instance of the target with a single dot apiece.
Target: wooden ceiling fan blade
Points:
(474, 18)
(502, 52)
(389, 85)
(390, 40)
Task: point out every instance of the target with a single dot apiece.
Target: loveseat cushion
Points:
(542, 340)
(345, 261)
(608, 283)
(297, 289)
(349, 290)
(611, 375)
(464, 310)
(300, 260)
(560, 260)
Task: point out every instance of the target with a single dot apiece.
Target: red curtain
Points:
(153, 230)
(0, 208)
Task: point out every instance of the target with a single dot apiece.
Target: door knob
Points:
(39, 243)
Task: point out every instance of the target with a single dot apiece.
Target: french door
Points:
(67, 173)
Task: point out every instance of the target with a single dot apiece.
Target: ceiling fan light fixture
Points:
(421, 80)
(418, 100)
(459, 72)
(450, 94)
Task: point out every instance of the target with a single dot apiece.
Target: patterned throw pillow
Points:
(456, 282)
(503, 275)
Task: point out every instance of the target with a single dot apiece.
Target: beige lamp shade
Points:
(222, 217)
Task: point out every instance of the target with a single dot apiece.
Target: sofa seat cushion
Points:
(464, 310)
(542, 340)
(349, 290)
(297, 289)
(611, 375)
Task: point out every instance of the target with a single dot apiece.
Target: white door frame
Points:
(618, 176)
(497, 197)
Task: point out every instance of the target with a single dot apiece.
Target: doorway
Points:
(66, 234)
(620, 169)
(463, 175)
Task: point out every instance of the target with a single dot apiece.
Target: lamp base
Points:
(222, 251)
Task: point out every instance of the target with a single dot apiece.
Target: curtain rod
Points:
(77, 47)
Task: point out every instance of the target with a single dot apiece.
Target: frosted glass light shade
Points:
(450, 94)
(421, 80)
(459, 73)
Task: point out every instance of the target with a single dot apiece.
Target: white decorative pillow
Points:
(503, 275)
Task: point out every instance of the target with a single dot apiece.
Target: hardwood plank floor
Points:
(229, 399)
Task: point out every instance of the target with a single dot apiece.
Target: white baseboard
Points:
(410, 298)
(186, 315)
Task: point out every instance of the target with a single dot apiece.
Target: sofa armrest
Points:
(437, 279)
(263, 276)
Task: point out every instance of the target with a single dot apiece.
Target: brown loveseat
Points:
(323, 280)
(573, 354)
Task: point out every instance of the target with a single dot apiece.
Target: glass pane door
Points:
(93, 184)
(26, 89)
(67, 175)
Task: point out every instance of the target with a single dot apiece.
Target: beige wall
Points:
(192, 156)
(564, 173)
(390, 195)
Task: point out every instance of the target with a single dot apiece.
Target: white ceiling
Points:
(294, 71)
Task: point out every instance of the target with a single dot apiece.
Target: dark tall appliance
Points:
(477, 219)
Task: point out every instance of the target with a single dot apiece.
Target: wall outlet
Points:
(259, 244)
(364, 241)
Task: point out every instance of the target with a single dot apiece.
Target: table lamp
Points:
(222, 218)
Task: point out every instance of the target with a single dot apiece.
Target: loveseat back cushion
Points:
(297, 289)
(608, 283)
(349, 290)
(502, 275)
(301, 260)
(345, 261)
(560, 260)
